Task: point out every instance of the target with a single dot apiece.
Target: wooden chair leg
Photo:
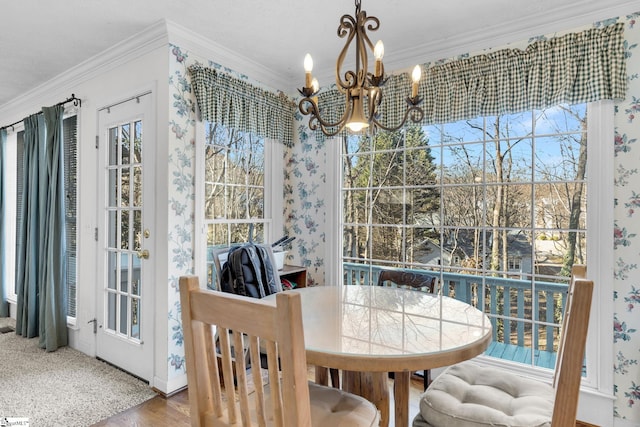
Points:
(426, 378)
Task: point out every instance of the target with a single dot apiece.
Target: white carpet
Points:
(61, 388)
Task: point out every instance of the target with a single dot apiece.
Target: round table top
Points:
(378, 328)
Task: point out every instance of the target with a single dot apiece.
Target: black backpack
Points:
(249, 272)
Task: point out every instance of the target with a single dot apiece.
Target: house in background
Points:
(458, 251)
(153, 67)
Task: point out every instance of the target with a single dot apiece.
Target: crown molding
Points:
(139, 44)
(216, 52)
(510, 32)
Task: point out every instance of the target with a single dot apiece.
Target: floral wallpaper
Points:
(305, 204)
(181, 194)
(626, 231)
(181, 197)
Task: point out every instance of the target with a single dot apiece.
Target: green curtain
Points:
(574, 68)
(41, 304)
(237, 104)
(4, 306)
(27, 261)
(53, 297)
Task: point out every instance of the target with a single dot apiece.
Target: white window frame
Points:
(10, 170)
(273, 197)
(73, 111)
(596, 397)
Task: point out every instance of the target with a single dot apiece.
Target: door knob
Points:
(143, 254)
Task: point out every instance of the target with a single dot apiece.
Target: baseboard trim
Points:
(172, 393)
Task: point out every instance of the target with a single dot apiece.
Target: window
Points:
(237, 206)
(497, 206)
(70, 135)
(514, 263)
(15, 152)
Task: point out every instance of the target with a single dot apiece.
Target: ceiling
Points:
(41, 39)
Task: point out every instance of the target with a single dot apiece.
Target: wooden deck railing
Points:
(525, 316)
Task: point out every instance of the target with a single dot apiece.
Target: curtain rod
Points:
(76, 102)
(131, 98)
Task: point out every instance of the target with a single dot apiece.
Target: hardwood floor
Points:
(174, 411)
(155, 412)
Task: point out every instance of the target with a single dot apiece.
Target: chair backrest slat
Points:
(245, 325)
(573, 338)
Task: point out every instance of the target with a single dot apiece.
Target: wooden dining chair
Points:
(468, 394)
(408, 279)
(286, 398)
(416, 280)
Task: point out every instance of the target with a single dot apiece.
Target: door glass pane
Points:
(113, 146)
(112, 188)
(111, 311)
(137, 143)
(126, 188)
(124, 231)
(123, 314)
(111, 267)
(137, 230)
(137, 186)
(135, 282)
(135, 318)
(124, 228)
(126, 144)
(112, 229)
(124, 279)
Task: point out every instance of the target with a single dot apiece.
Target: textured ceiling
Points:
(41, 39)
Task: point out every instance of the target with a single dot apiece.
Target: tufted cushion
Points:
(469, 395)
(332, 407)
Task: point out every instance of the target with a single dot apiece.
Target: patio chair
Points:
(468, 394)
(287, 398)
(425, 282)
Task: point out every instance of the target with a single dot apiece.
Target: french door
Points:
(125, 236)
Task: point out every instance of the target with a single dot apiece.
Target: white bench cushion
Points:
(469, 395)
(332, 407)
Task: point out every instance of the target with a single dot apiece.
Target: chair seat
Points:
(332, 407)
(469, 395)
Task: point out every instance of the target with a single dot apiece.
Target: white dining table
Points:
(369, 331)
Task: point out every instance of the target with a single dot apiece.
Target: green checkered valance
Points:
(237, 104)
(574, 68)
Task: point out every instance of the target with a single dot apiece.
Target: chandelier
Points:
(358, 86)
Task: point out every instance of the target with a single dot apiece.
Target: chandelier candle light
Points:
(357, 85)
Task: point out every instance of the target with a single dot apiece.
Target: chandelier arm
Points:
(370, 79)
(311, 108)
(362, 57)
(347, 24)
(375, 99)
(347, 28)
(414, 111)
(373, 25)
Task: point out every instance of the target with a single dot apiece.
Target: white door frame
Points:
(125, 337)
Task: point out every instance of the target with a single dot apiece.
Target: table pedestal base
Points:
(373, 386)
